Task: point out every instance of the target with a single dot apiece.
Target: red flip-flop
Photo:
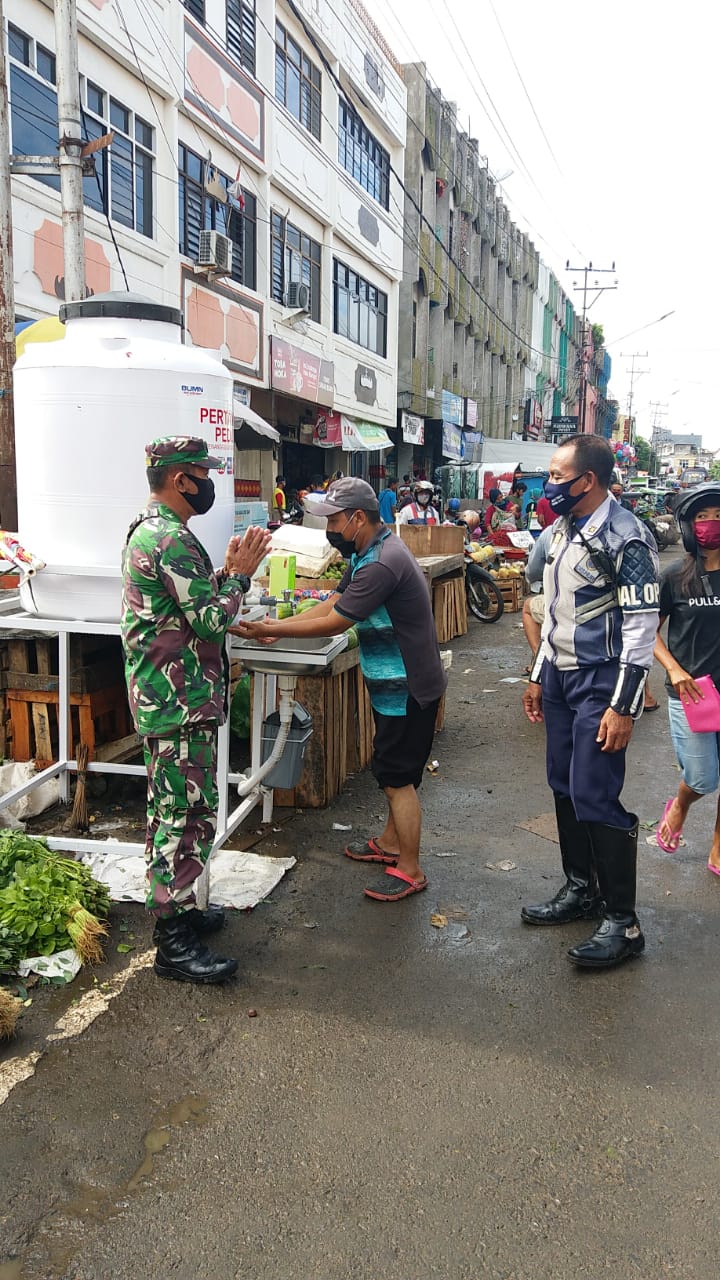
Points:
(389, 892)
(672, 845)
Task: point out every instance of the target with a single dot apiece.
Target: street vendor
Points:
(176, 612)
(384, 594)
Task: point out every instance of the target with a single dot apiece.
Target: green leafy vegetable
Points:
(47, 902)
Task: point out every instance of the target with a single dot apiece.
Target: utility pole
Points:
(588, 270)
(634, 373)
(8, 483)
(659, 433)
(70, 149)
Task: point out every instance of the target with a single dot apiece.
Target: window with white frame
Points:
(200, 211)
(361, 155)
(359, 309)
(122, 186)
(297, 82)
(295, 260)
(33, 99)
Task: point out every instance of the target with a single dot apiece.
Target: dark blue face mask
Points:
(560, 498)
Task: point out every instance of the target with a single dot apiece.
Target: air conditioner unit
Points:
(215, 251)
(298, 297)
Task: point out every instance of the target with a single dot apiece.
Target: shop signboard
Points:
(413, 428)
(564, 424)
(300, 373)
(452, 409)
(452, 441)
(471, 413)
(338, 431)
(363, 436)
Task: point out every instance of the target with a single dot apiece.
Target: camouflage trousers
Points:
(182, 803)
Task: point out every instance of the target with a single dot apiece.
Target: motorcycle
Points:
(483, 595)
(662, 527)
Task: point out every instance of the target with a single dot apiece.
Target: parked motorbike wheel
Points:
(484, 597)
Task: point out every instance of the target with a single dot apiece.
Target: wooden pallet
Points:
(99, 717)
(449, 606)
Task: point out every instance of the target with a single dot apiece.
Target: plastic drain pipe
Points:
(286, 686)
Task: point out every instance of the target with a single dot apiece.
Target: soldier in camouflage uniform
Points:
(176, 614)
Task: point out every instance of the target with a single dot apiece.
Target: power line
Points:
(525, 88)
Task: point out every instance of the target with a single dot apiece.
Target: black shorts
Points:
(402, 745)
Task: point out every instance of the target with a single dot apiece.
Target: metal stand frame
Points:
(13, 618)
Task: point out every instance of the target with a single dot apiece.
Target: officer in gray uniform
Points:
(601, 614)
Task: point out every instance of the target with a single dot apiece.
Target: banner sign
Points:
(471, 413)
(452, 408)
(452, 441)
(327, 432)
(413, 428)
(299, 373)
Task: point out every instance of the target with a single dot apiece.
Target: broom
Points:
(80, 809)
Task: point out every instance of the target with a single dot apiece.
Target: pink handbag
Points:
(704, 716)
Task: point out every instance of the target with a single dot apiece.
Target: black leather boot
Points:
(579, 898)
(182, 956)
(201, 922)
(618, 937)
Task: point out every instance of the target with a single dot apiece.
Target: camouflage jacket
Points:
(175, 616)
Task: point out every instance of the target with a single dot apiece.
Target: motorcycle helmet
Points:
(453, 506)
(702, 495)
(423, 486)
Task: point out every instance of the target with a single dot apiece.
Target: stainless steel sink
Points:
(289, 656)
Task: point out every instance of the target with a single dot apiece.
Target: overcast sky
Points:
(626, 94)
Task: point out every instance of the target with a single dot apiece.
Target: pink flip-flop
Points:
(671, 845)
(715, 870)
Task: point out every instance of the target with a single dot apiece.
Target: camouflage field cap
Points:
(190, 450)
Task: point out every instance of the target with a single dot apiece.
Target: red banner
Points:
(299, 373)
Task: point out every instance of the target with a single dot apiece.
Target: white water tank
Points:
(85, 407)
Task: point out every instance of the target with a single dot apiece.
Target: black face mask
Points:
(341, 543)
(201, 501)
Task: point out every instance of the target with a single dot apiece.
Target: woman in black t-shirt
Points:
(690, 600)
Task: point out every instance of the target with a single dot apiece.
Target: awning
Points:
(244, 416)
(366, 436)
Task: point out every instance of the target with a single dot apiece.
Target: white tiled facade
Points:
(187, 99)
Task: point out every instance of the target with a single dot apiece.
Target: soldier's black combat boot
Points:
(618, 937)
(182, 956)
(212, 920)
(579, 898)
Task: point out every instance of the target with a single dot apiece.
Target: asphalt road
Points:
(410, 1101)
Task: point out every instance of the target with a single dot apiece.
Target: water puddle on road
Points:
(97, 1205)
(159, 1136)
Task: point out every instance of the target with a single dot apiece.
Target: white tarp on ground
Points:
(239, 880)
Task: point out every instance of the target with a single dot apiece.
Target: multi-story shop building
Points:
(279, 127)
(489, 342)
(466, 296)
(677, 452)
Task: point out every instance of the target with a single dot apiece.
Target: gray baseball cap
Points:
(348, 494)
